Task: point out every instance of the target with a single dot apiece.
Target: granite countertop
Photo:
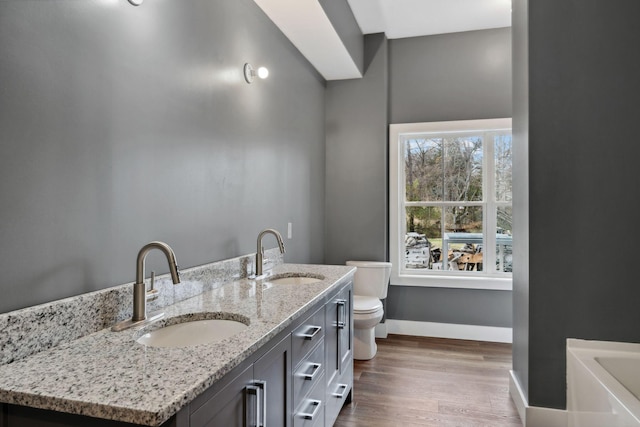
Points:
(109, 375)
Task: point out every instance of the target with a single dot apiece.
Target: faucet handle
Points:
(152, 293)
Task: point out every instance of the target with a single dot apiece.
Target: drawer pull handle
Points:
(317, 404)
(344, 388)
(316, 368)
(309, 336)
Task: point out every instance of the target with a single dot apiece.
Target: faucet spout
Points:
(260, 248)
(139, 288)
(168, 252)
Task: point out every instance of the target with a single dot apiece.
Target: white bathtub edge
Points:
(606, 346)
(604, 395)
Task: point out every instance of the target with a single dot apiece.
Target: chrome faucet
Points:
(139, 287)
(260, 249)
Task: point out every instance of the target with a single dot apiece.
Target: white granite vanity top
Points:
(109, 375)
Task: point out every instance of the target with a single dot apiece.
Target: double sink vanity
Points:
(274, 351)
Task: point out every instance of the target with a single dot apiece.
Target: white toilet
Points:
(369, 287)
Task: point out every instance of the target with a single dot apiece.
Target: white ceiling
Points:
(413, 18)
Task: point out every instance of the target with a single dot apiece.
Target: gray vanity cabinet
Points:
(308, 375)
(272, 376)
(227, 406)
(258, 396)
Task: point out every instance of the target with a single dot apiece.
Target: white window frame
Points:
(433, 278)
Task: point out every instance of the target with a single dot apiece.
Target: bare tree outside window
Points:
(445, 193)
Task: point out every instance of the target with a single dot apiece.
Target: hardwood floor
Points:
(417, 382)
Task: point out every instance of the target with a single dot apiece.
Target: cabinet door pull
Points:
(252, 390)
(317, 404)
(339, 395)
(342, 309)
(309, 336)
(316, 368)
(262, 417)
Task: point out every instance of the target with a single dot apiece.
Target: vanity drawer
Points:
(306, 336)
(308, 373)
(310, 411)
(337, 391)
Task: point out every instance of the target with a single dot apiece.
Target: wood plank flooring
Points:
(417, 382)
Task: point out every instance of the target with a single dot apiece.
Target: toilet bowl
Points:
(369, 287)
(367, 313)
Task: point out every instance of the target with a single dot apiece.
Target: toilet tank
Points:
(372, 278)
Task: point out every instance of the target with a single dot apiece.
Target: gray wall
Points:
(120, 125)
(356, 161)
(460, 76)
(583, 160)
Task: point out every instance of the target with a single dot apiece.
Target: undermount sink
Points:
(192, 329)
(295, 279)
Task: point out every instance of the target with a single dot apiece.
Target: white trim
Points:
(452, 126)
(535, 416)
(454, 281)
(491, 281)
(449, 330)
(517, 396)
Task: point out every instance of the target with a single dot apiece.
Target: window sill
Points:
(496, 283)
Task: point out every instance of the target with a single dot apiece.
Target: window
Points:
(450, 204)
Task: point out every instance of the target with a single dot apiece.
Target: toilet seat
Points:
(366, 305)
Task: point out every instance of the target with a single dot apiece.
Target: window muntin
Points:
(453, 194)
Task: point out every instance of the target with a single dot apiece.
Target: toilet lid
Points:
(363, 304)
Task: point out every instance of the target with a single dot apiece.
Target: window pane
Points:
(504, 243)
(463, 219)
(423, 238)
(445, 218)
(463, 168)
(464, 238)
(503, 167)
(504, 220)
(423, 169)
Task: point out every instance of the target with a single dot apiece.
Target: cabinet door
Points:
(229, 407)
(332, 363)
(339, 336)
(339, 344)
(344, 301)
(272, 374)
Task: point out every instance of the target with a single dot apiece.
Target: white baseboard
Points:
(381, 330)
(449, 330)
(517, 396)
(534, 416)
